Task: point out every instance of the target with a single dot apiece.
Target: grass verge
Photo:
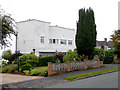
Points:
(91, 73)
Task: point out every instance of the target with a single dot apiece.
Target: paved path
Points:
(45, 82)
(102, 81)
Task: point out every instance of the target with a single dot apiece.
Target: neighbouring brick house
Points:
(106, 45)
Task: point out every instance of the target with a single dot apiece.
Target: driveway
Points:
(52, 80)
(13, 78)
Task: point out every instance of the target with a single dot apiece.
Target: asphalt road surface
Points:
(109, 80)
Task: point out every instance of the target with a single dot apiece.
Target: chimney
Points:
(105, 39)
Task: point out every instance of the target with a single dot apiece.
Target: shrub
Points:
(5, 69)
(10, 68)
(44, 73)
(26, 67)
(7, 55)
(35, 72)
(71, 56)
(109, 57)
(4, 62)
(15, 56)
(28, 59)
(27, 72)
(100, 52)
(43, 61)
(59, 57)
(117, 52)
(38, 70)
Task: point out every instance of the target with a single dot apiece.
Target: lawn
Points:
(92, 73)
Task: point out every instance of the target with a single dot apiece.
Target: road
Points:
(102, 81)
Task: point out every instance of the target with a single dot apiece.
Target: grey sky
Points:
(65, 13)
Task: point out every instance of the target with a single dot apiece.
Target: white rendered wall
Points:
(31, 31)
(61, 33)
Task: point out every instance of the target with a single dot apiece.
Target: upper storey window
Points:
(42, 39)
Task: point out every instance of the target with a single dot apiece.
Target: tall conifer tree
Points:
(86, 32)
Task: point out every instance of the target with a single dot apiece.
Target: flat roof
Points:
(32, 20)
(62, 27)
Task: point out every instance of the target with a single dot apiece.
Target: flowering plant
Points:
(3, 62)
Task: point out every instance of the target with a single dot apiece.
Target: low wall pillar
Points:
(98, 63)
(49, 68)
(68, 66)
(85, 64)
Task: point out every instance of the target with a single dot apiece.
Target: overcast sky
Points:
(65, 13)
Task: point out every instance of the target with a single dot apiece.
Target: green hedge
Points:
(43, 61)
(109, 57)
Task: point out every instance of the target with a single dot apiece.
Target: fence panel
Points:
(76, 65)
(91, 63)
(59, 67)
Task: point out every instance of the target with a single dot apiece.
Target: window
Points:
(63, 41)
(69, 42)
(42, 39)
(50, 40)
(54, 41)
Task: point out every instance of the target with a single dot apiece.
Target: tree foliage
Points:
(7, 55)
(115, 37)
(7, 27)
(86, 32)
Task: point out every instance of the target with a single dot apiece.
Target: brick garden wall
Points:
(55, 68)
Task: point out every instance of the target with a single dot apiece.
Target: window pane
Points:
(69, 42)
(57, 41)
(53, 40)
(42, 39)
(50, 40)
(63, 41)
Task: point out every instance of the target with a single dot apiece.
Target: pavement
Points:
(53, 80)
(109, 80)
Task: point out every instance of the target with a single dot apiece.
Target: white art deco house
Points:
(39, 36)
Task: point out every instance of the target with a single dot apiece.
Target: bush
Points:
(109, 57)
(26, 67)
(35, 72)
(117, 52)
(9, 69)
(7, 55)
(71, 56)
(27, 72)
(43, 61)
(5, 69)
(15, 56)
(28, 59)
(100, 52)
(59, 57)
(4, 62)
(44, 73)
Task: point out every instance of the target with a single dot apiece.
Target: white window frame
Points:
(63, 41)
(54, 41)
(42, 39)
(70, 42)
